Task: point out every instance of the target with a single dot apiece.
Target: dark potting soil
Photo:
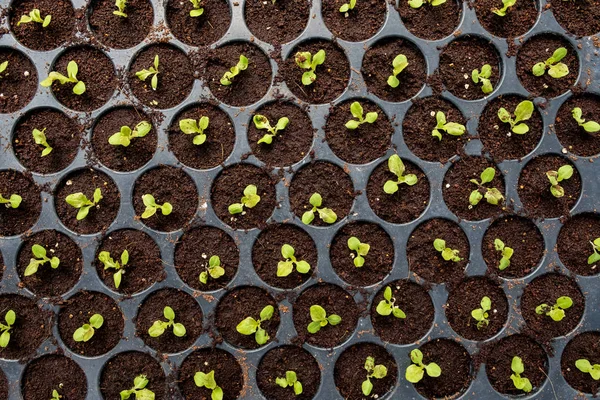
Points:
(3, 385)
(419, 123)
(290, 145)
(87, 181)
(574, 245)
(32, 326)
(120, 371)
(53, 372)
(145, 264)
(228, 374)
(330, 181)
(49, 282)
(584, 346)
(220, 137)
(572, 136)
(18, 83)
(356, 25)
(32, 34)
(362, 145)
(518, 19)
(62, 133)
(520, 234)
(277, 22)
(198, 31)
(334, 300)
(457, 188)
(332, 76)
(274, 365)
(431, 22)
(537, 49)
(187, 312)
(77, 311)
(350, 372)
(581, 18)
(266, 254)
(120, 32)
(171, 185)
(194, 250)
(17, 220)
(534, 187)
(237, 305)
(175, 76)
(419, 314)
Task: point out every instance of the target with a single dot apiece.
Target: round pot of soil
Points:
(577, 130)
(18, 80)
(127, 372)
(583, 347)
(53, 373)
(581, 19)
(198, 23)
(577, 248)
(517, 19)
(355, 24)
(277, 22)
(21, 202)
(120, 27)
(430, 22)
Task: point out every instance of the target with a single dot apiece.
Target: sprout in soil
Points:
(284, 268)
(484, 78)
(109, 263)
(124, 136)
(35, 16)
(120, 4)
(506, 5)
(492, 195)
(447, 253)
(595, 256)
(55, 395)
(262, 122)
(290, 380)
(9, 318)
(196, 10)
(586, 367)
(399, 63)
(416, 371)
(451, 128)
(319, 318)
(234, 71)
(197, 128)
(39, 137)
(153, 72)
(208, 381)
(139, 389)
(419, 3)
(72, 70)
(565, 172)
(326, 214)
(152, 207)
(305, 60)
(86, 332)
(589, 126)
(507, 253)
(159, 327)
(523, 112)
(3, 67)
(387, 305)
(361, 249)
(14, 201)
(481, 315)
(555, 68)
(378, 371)
(396, 167)
(250, 326)
(214, 270)
(39, 259)
(357, 112)
(81, 202)
(347, 7)
(520, 382)
(249, 200)
(557, 311)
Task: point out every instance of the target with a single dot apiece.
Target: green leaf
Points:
(539, 69)
(303, 59)
(565, 172)
(380, 371)
(10, 317)
(302, 267)
(524, 111)
(314, 327)
(4, 339)
(179, 330)
(583, 365)
(440, 118)
(486, 303)
(415, 3)
(168, 313)
(284, 268)
(327, 215)
(439, 244)
(157, 329)
(488, 175)
(371, 117)
(316, 200)
(416, 356)
(281, 382)
(236, 208)
(97, 321)
(520, 129)
(393, 82)
(398, 313)
(352, 124)
(317, 313)
(591, 126)
(384, 308)
(493, 196)
(454, 129)
(414, 373)
(353, 243)
(267, 313)
(79, 88)
(558, 55)
(504, 115)
(297, 388)
(196, 12)
(367, 387)
(387, 293)
(334, 319)
(357, 110)
(564, 302)
(261, 336)
(504, 263)
(390, 187)
(395, 165)
(594, 258)
(517, 365)
(559, 70)
(433, 370)
(308, 217)
(248, 326)
(318, 59)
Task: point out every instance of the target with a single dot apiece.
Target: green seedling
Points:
(196, 10)
(72, 70)
(208, 381)
(152, 207)
(14, 201)
(319, 318)
(481, 315)
(305, 60)
(595, 256)
(124, 136)
(251, 326)
(40, 258)
(557, 311)
(396, 167)
(86, 332)
(139, 389)
(326, 214)
(523, 112)
(565, 172)
(197, 128)
(159, 327)
(399, 63)
(357, 112)
(387, 305)
(347, 7)
(39, 137)
(484, 78)
(589, 126)
(120, 4)
(151, 72)
(3, 67)
(234, 71)
(451, 128)
(55, 395)
(587, 368)
(214, 270)
(378, 371)
(447, 253)
(35, 16)
(9, 318)
(506, 4)
(82, 203)
(520, 382)
(492, 195)
(290, 380)
(284, 268)
(262, 122)
(105, 258)
(249, 200)
(416, 370)
(555, 68)
(507, 253)
(361, 249)
(419, 3)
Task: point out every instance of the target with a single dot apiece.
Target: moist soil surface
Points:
(18, 83)
(144, 266)
(420, 121)
(266, 254)
(120, 371)
(572, 136)
(237, 305)
(332, 76)
(32, 326)
(77, 311)
(419, 314)
(62, 134)
(356, 25)
(87, 181)
(220, 137)
(32, 34)
(187, 312)
(429, 22)
(519, 18)
(574, 245)
(584, 346)
(53, 372)
(534, 187)
(290, 145)
(520, 234)
(581, 18)
(288, 358)
(198, 31)
(278, 22)
(334, 300)
(17, 220)
(362, 145)
(120, 32)
(49, 282)
(377, 67)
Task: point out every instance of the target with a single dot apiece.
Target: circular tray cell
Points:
(291, 144)
(33, 34)
(427, 262)
(53, 372)
(42, 279)
(277, 22)
(240, 304)
(498, 137)
(228, 374)
(579, 18)
(574, 137)
(546, 289)
(61, 132)
(17, 220)
(193, 253)
(121, 370)
(575, 244)
(187, 312)
(216, 144)
(355, 25)
(534, 187)
(144, 264)
(585, 346)
(521, 235)
(539, 49)
(209, 27)
(32, 326)
(419, 123)
(120, 32)
(175, 76)
(431, 22)
(361, 144)
(87, 181)
(332, 75)
(18, 82)
(519, 18)
(139, 150)
(335, 301)
(350, 372)
(418, 314)
(282, 359)
(267, 255)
